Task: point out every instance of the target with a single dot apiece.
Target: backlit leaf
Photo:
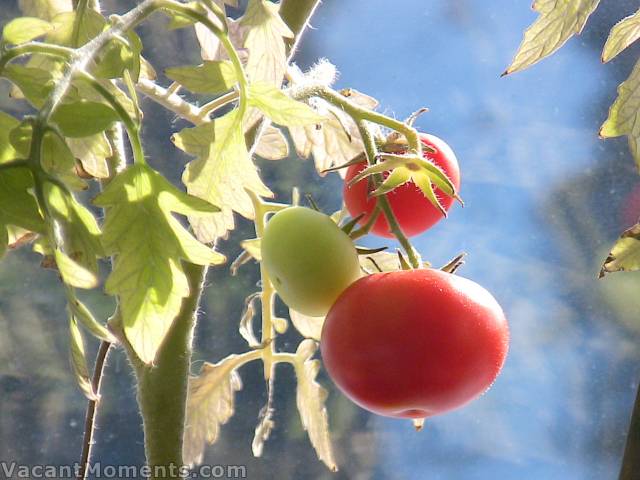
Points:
(309, 327)
(211, 77)
(23, 29)
(624, 114)
(272, 144)
(150, 245)
(559, 20)
(265, 42)
(220, 173)
(625, 254)
(45, 9)
(623, 34)
(92, 151)
(84, 118)
(78, 360)
(310, 399)
(210, 404)
(281, 108)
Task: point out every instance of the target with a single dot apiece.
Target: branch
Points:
(90, 418)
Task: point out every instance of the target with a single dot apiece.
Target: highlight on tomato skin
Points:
(414, 211)
(413, 344)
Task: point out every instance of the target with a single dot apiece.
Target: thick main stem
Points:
(162, 388)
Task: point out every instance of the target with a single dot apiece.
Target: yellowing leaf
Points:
(380, 261)
(211, 77)
(624, 114)
(23, 29)
(7, 124)
(310, 398)
(210, 404)
(272, 144)
(150, 245)
(625, 254)
(281, 108)
(309, 327)
(265, 42)
(623, 34)
(220, 174)
(252, 247)
(559, 20)
(334, 143)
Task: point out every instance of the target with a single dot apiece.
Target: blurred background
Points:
(545, 199)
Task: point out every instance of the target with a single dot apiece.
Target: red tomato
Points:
(414, 344)
(414, 211)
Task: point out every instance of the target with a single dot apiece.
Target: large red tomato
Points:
(414, 211)
(414, 343)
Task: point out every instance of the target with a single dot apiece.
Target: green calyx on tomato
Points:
(414, 212)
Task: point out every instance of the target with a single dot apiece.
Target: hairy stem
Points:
(162, 388)
(92, 408)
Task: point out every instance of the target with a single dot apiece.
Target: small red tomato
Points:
(413, 344)
(414, 211)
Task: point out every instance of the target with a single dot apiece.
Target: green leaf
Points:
(179, 21)
(624, 114)
(221, 173)
(18, 208)
(265, 42)
(78, 359)
(34, 83)
(84, 118)
(625, 254)
(150, 245)
(623, 34)
(281, 108)
(117, 57)
(310, 399)
(62, 34)
(92, 152)
(559, 20)
(7, 124)
(23, 29)
(210, 404)
(77, 242)
(56, 159)
(211, 77)
(45, 9)
(84, 316)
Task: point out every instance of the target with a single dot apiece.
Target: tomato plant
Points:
(414, 343)
(309, 259)
(414, 211)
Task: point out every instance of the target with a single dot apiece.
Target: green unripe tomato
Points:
(309, 259)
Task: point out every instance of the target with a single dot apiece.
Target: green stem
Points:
(35, 47)
(383, 202)
(162, 388)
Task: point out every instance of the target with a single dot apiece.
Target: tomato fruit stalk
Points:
(415, 343)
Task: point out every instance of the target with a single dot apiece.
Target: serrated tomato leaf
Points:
(84, 118)
(623, 34)
(150, 245)
(625, 254)
(624, 114)
(559, 20)
(210, 404)
(280, 108)
(221, 173)
(23, 29)
(211, 77)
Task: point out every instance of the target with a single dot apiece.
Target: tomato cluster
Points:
(406, 343)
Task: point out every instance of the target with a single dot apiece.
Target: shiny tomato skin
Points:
(413, 210)
(413, 344)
